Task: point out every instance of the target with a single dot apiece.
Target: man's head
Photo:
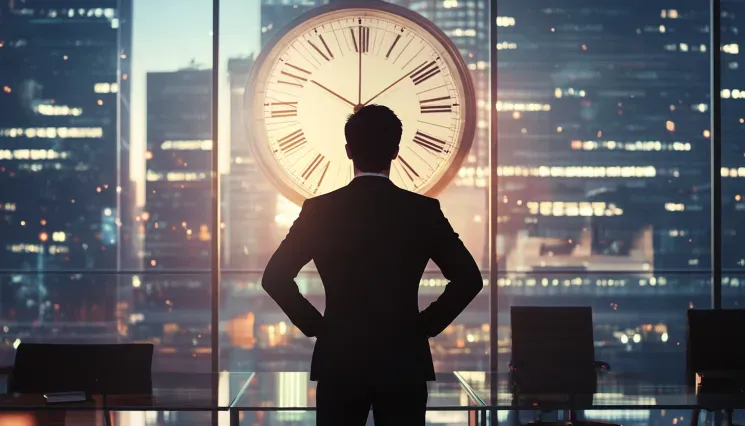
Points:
(373, 134)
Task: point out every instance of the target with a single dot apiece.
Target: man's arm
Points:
(458, 267)
(279, 276)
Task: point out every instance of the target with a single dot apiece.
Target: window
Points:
(257, 216)
(602, 164)
(603, 185)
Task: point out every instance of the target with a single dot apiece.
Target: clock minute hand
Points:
(332, 92)
(359, 67)
(394, 83)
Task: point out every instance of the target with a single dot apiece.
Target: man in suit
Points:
(371, 242)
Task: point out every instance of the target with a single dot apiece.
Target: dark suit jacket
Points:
(371, 242)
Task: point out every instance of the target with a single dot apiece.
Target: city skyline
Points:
(603, 167)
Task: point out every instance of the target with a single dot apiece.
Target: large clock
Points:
(333, 60)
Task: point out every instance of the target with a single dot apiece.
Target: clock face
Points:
(307, 83)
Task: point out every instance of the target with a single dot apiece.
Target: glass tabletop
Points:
(614, 391)
(171, 391)
(293, 391)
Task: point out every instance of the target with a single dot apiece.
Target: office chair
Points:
(710, 352)
(105, 369)
(553, 354)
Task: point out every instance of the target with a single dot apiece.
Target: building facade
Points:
(64, 169)
(174, 310)
(604, 168)
(733, 160)
(604, 136)
(179, 151)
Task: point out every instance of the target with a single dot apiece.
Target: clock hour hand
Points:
(332, 92)
(394, 83)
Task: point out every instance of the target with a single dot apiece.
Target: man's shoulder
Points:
(320, 199)
(419, 199)
(401, 195)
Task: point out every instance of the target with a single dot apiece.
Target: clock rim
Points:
(468, 120)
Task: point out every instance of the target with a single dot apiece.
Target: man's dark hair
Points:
(373, 134)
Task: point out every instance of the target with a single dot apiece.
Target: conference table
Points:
(476, 398)
(617, 397)
(227, 396)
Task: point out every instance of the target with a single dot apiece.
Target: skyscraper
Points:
(175, 309)
(608, 160)
(733, 160)
(275, 14)
(63, 167)
(179, 149)
(249, 200)
(603, 167)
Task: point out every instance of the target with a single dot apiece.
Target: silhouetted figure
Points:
(371, 242)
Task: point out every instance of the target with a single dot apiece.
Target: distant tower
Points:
(179, 150)
(64, 169)
(249, 200)
(275, 14)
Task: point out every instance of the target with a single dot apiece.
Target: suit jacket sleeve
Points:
(279, 276)
(458, 267)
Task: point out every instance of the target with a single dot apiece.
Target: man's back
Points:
(371, 242)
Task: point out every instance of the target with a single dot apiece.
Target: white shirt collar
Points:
(371, 174)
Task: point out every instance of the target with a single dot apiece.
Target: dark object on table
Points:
(94, 369)
(553, 363)
(715, 362)
(65, 397)
(713, 349)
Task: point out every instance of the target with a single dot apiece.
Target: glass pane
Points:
(290, 397)
(60, 170)
(172, 137)
(603, 170)
(165, 309)
(259, 206)
(104, 166)
(733, 124)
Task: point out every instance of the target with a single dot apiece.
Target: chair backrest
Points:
(96, 369)
(553, 349)
(714, 341)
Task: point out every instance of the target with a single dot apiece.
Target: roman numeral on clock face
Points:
(323, 175)
(365, 39)
(430, 143)
(284, 113)
(317, 160)
(363, 36)
(354, 40)
(323, 41)
(428, 106)
(289, 74)
(425, 73)
(297, 68)
(292, 141)
(410, 172)
(283, 109)
(323, 55)
(296, 76)
(390, 49)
